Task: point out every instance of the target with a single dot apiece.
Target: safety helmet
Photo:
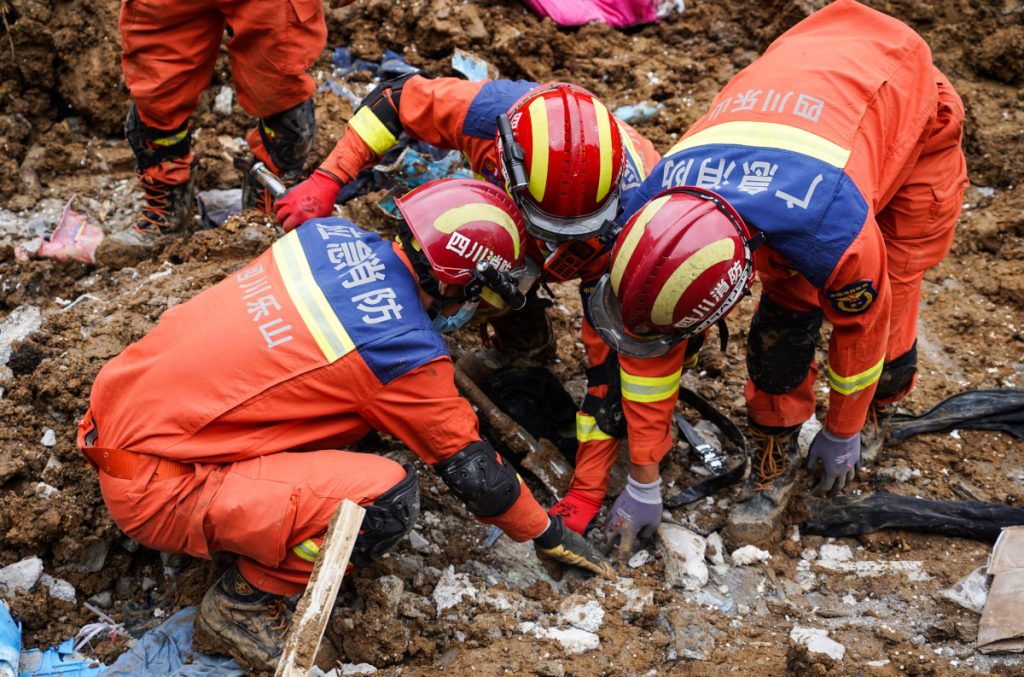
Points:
(680, 264)
(469, 233)
(561, 158)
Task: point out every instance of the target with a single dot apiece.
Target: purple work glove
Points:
(840, 457)
(636, 512)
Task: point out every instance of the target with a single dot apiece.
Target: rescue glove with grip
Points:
(559, 547)
(310, 199)
(636, 512)
(840, 459)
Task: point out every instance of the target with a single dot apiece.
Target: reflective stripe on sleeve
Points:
(649, 388)
(587, 429)
(847, 385)
(307, 550)
(372, 131)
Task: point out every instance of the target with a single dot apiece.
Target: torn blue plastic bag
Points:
(10, 643)
(35, 663)
(167, 650)
(640, 112)
(413, 168)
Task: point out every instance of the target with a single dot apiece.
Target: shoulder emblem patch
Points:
(854, 298)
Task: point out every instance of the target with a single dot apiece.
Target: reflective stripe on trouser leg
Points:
(649, 388)
(307, 550)
(587, 429)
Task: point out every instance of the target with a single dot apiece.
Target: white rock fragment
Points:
(817, 641)
(21, 575)
(809, 554)
(45, 490)
(587, 616)
(21, 322)
(59, 588)
(357, 669)
(849, 599)
(639, 559)
(222, 102)
(912, 569)
(573, 640)
(836, 553)
(749, 555)
(809, 430)
(451, 589)
(715, 552)
(421, 544)
(684, 557)
(636, 599)
(971, 592)
(881, 663)
(49, 438)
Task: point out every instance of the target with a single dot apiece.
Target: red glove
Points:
(577, 510)
(312, 198)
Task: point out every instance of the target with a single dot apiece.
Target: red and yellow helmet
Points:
(562, 158)
(468, 233)
(680, 264)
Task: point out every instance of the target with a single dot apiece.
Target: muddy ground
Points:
(61, 106)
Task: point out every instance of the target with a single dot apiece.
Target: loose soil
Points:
(62, 103)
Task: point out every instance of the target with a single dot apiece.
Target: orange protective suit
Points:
(456, 114)
(238, 402)
(169, 50)
(841, 143)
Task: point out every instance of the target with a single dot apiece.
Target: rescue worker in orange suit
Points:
(224, 428)
(169, 50)
(840, 149)
(569, 164)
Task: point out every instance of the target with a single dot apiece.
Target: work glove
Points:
(636, 512)
(559, 547)
(576, 510)
(312, 198)
(840, 458)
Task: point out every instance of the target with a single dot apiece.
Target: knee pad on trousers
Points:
(486, 485)
(288, 137)
(780, 347)
(897, 376)
(607, 410)
(152, 146)
(391, 517)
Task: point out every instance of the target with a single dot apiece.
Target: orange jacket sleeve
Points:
(856, 300)
(431, 110)
(650, 389)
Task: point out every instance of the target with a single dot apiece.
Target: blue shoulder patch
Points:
(495, 97)
(372, 294)
(810, 210)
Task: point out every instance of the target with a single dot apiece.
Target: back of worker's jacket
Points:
(318, 340)
(809, 143)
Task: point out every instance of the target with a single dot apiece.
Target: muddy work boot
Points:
(168, 210)
(769, 486)
(237, 620)
(282, 142)
(875, 431)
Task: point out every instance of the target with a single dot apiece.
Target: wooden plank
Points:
(314, 609)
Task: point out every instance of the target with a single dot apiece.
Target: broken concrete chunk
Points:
(573, 640)
(749, 555)
(684, 557)
(21, 575)
(715, 552)
(582, 613)
(451, 589)
(817, 640)
(59, 588)
(22, 321)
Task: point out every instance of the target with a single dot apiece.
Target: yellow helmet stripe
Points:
(604, 141)
(539, 161)
(456, 217)
(633, 238)
(684, 275)
(631, 151)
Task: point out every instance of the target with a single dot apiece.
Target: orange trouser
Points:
(260, 508)
(917, 224)
(169, 50)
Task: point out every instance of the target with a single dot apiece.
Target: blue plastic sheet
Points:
(60, 661)
(167, 650)
(10, 643)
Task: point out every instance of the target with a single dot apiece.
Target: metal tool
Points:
(711, 458)
(268, 180)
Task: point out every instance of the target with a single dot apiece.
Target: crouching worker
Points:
(224, 429)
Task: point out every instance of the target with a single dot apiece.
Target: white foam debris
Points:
(749, 555)
(586, 616)
(684, 557)
(817, 641)
(451, 589)
(573, 640)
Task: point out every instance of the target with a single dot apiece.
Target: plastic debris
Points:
(215, 206)
(1001, 628)
(639, 112)
(618, 13)
(473, 67)
(10, 643)
(63, 660)
(413, 168)
(971, 592)
(74, 239)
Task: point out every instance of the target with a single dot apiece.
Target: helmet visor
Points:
(550, 228)
(606, 317)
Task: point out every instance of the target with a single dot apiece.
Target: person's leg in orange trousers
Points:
(260, 509)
